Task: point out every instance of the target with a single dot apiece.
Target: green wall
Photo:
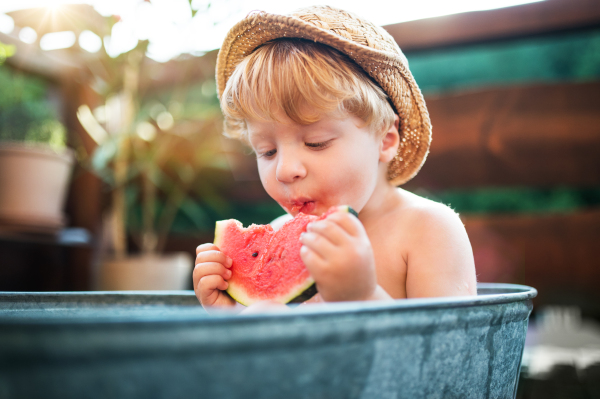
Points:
(566, 57)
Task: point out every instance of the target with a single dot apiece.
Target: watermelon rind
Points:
(306, 295)
(350, 210)
(240, 295)
(220, 227)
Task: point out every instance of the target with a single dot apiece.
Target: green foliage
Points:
(175, 161)
(493, 200)
(25, 113)
(198, 216)
(571, 56)
(6, 50)
(259, 213)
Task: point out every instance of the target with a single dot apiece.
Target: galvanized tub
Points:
(163, 345)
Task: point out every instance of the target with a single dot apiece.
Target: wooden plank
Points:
(65, 17)
(64, 65)
(556, 254)
(544, 135)
(50, 65)
(481, 26)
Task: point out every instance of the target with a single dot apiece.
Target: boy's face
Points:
(309, 168)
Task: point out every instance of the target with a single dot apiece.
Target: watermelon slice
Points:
(266, 263)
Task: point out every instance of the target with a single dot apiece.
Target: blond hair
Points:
(303, 80)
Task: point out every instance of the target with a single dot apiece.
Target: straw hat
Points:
(368, 45)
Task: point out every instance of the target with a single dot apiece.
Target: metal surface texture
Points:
(163, 345)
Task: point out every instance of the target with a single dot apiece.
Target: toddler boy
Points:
(327, 102)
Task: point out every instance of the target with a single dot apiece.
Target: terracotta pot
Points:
(147, 272)
(33, 186)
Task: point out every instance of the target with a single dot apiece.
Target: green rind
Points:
(306, 295)
(348, 209)
(240, 296)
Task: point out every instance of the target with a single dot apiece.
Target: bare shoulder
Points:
(423, 214)
(439, 251)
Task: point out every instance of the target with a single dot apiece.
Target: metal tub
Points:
(163, 345)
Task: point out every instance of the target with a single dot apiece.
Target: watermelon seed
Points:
(255, 254)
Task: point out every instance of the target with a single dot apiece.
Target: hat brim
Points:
(389, 70)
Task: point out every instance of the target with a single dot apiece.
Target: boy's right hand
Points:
(210, 276)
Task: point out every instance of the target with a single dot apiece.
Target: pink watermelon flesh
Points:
(266, 263)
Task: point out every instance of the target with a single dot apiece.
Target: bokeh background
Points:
(127, 90)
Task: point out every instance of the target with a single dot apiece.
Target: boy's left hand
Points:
(338, 254)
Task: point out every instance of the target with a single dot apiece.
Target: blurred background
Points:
(113, 168)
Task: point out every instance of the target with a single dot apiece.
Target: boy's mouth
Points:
(304, 206)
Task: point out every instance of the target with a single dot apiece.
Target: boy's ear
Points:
(390, 142)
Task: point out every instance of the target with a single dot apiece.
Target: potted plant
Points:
(35, 165)
(162, 166)
(151, 150)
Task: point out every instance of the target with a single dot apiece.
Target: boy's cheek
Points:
(264, 171)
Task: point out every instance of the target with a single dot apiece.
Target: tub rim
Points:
(507, 293)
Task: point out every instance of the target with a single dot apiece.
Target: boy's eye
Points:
(269, 153)
(321, 145)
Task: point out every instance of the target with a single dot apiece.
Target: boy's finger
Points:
(319, 244)
(206, 247)
(209, 285)
(330, 230)
(210, 268)
(347, 221)
(214, 256)
(311, 259)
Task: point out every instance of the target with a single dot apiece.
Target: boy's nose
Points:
(289, 170)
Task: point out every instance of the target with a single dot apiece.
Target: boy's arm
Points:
(440, 260)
